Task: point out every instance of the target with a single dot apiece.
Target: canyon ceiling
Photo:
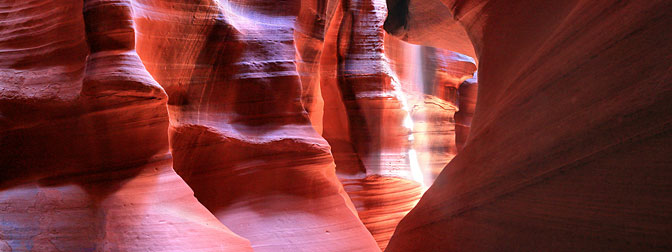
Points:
(335, 125)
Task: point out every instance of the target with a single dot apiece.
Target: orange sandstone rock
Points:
(569, 148)
(85, 163)
(371, 106)
(240, 130)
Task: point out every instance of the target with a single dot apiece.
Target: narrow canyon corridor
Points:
(335, 125)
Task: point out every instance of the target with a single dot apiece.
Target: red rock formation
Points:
(240, 132)
(85, 162)
(466, 95)
(364, 118)
(309, 34)
(371, 103)
(373, 99)
(569, 148)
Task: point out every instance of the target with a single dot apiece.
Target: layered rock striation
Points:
(85, 163)
(301, 125)
(570, 140)
(364, 118)
(372, 100)
(244, 114)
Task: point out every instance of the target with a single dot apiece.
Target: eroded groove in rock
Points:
(364, 118)
(310, 28)
(569, 145)
(370, 111)
(302, 126)
(240, 133)
(85, 160)
(467, 107)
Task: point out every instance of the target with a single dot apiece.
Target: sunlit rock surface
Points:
(391, 129)
(570, 142)
(84, 160)
(302, 125)
(431, 81)
(245, 82)
(240, 130)
(364, 119)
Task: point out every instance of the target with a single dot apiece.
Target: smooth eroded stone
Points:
(85, 164)
(570, 143)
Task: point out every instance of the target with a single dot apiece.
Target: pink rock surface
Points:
(364, 118)
(85, 162)
(240, 130)
(301, 125)
(371, 103)
(570, 141)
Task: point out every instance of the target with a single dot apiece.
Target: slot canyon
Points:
(335, 125)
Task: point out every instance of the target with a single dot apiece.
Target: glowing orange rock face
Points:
(364, 118)
(299, 125)
(371, 103)
(85, 162)
(240, 129)
(569, 147)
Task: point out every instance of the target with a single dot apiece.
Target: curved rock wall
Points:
(240, 129)
(389, 135)
(363, 118)
(85, 162)
(466, 98)
(570, 140)
(301, 126)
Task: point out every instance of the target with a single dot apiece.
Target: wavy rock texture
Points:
(569, 147)
(372, 100)
(85, 164)
(309, 34)
(375, 104)
(302, 126)
(364, 119)
(240, 131)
